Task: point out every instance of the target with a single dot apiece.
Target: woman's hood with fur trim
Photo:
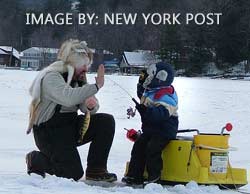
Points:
(72, 54)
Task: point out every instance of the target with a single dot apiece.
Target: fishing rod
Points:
(126, 91)
(130, 111)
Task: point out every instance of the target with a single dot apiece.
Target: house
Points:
(99, 57)
(134, 62)
(9, 57)
(111, 66)
(38, 57)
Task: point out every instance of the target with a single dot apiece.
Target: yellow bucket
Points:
(212, 151)
(213, 140)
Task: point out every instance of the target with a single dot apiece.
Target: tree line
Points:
(185, 46)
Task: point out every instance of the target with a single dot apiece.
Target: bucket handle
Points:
(188, 130)
(215, 148)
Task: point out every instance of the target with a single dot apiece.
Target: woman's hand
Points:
(100, 76)
(91, 102)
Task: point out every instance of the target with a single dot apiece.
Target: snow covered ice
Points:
(204, 103)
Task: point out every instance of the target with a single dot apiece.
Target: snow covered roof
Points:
(41, 49)
(139, 58)
(106, 52)
(55, 50)
(8, 49)
(2, 52)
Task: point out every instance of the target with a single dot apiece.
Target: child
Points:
(158, 110)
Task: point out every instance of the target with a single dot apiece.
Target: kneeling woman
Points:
(58, 92)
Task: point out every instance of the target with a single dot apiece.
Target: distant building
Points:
(38, 57)
(9, 57)
(99, 57)
(134, 62)
(111, 66)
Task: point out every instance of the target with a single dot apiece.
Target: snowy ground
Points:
(203, 103)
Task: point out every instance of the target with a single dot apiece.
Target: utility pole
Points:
(11, 55)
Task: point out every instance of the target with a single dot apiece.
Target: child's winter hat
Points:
(159, 74)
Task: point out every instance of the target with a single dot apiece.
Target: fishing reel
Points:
(130, 112)
(132, 134)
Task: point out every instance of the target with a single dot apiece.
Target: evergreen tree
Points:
(232, 36)
(229, 41)
(57, 6)
(11, 22)
(171, 45)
